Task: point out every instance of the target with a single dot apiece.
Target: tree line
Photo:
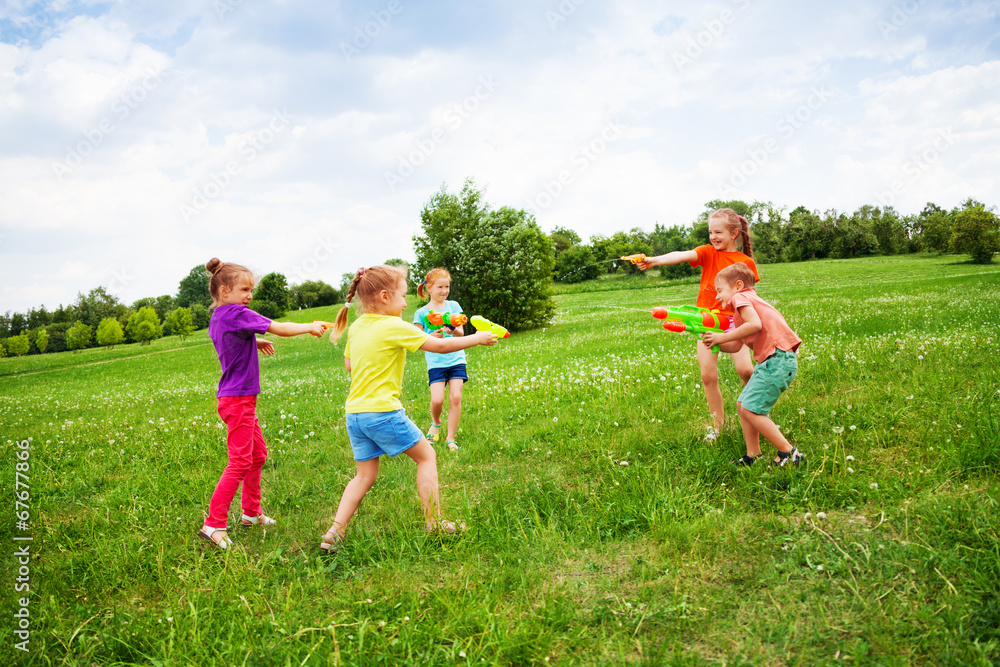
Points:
(98, 318)
(801, 235)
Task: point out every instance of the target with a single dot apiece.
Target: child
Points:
(232, 329)
(764, 330)
(443, 370)
(730, 244)
(376, 349)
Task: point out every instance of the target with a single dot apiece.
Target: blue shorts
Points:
(770, 379)
(373, 434)
(456, 372)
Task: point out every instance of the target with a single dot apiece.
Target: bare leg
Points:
(454, 406)
(744, 363)
(437, 404)
(355, 491)
(754, 426)
(427, 480)
(708, 362)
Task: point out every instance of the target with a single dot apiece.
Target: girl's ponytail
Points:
(341, 322)
(745, 236)
(422, 290)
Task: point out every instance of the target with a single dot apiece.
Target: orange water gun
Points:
(637, 258)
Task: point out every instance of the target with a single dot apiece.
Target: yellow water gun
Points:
(483, 324)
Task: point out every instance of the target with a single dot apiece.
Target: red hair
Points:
(432, 276)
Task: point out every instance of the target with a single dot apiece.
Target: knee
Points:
(437, 403)
(709, 377)
(455, 401)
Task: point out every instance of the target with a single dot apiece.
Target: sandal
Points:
(446, 527)
(331, 541)
(746, 460)
(433, 437)
(248, 521)
(788, 458)
(452, 446)
(208, 533)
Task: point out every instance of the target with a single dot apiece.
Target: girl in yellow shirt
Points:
(376, 349)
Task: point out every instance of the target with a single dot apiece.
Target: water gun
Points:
(635, 259)
(436, 319)
(326, 325)
(692, 319)
(483, 324)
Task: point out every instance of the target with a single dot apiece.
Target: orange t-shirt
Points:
(711, 262)
(774, 334)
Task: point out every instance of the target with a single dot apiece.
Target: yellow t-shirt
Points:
(376, 346)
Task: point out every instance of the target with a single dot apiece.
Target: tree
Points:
(193, 288)
(934, 228)
(806, 235)
(411, 278)
(500, 260)
(270, 299)
(78, 336)
(853, 238)
(563, 239)
(200, 315)
(42, 340)
(180, 323)
(109, 332)
(976, 231)
(3, 350)
(576, 264)
(313, 293)
(144, 325)
(18, 345)
(95, 306)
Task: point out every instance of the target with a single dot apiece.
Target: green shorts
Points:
(770, 379)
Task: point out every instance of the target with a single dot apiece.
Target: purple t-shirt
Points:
(232, 329)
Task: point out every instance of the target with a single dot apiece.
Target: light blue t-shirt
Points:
(435, 360)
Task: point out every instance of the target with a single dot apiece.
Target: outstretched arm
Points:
(444, 345)
(294, 328)
(676, 257)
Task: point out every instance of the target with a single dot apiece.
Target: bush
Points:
(179, 323)
(500, 261)
(78, 336)
(266, 308)
(200, 316)
(976, 231)
(109, 332)
(18, 345)
(42, 340)
(576, 264)
(144, 325)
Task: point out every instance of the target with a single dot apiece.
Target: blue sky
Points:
(141, 139)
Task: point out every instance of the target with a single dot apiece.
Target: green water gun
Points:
(436, 319)
(483, 324)
(692, 319)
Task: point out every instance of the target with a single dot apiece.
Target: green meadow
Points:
(603, 528)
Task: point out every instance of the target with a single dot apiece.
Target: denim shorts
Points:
(456, 372)
(770, 379)
(373, 434)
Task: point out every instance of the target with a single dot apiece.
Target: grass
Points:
(603, 528)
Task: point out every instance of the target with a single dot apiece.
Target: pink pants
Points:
(247, 453)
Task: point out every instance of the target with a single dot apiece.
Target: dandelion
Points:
(802, 411)
(849, 458)
(821, 516)
(853, 427)
(819, 568)
(873, 485)
(807, 515)
(623, 463)
(850, 470)
(555, 419)
(838, 429)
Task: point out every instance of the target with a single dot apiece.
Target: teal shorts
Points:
(770, 379)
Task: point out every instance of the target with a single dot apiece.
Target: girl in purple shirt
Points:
(233, 330)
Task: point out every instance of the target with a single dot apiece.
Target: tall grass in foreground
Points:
(603, 528)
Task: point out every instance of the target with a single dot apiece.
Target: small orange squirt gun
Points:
(326, 325)
(692, 319)
(635, 259)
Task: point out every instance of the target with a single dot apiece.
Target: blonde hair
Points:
(432, 276)
(224, 274)
(736, 223)
(366, 285)
(738, 271)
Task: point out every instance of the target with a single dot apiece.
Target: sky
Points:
(141, 139)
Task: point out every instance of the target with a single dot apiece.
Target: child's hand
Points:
(708, 338)
(319, 327)
(647, 263)
(485, 338)
(265, 346)
(437, 333)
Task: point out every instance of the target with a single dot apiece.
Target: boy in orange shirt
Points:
(761, 328)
